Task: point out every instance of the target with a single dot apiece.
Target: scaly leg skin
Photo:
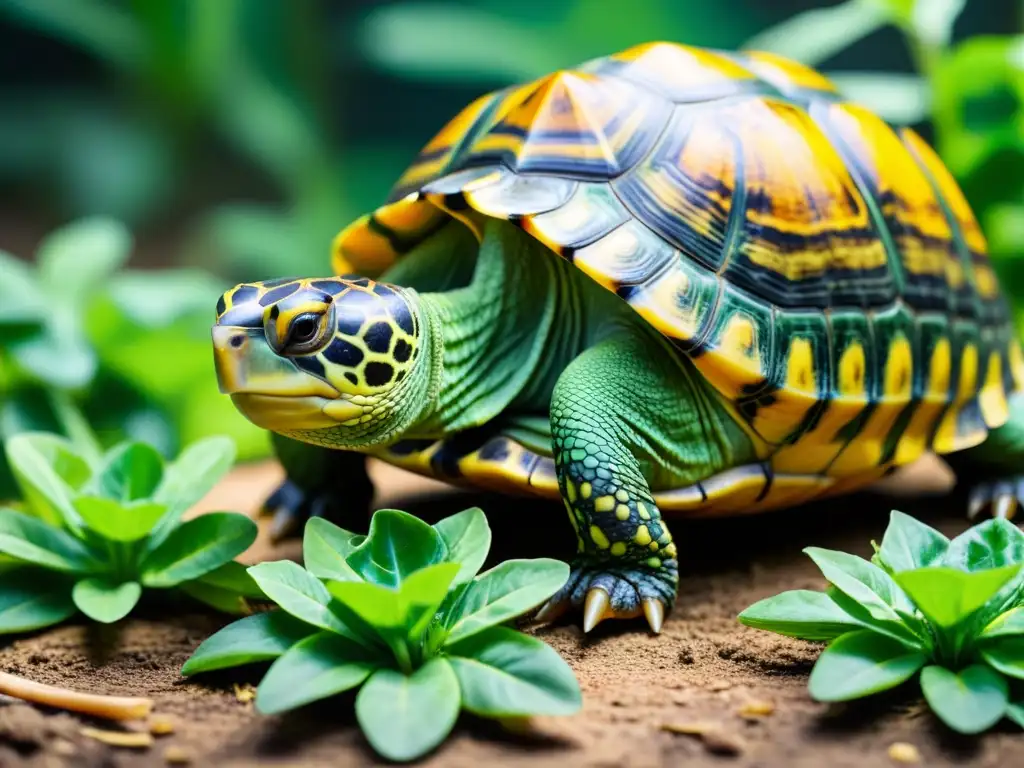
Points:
(623, 413)
(995, 469)
(319, 482)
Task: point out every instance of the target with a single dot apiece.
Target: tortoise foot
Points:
(1003, 497)
(619, 591)
(290, 507)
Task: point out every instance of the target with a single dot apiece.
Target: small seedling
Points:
(92, 532)
(403, 613)
(951, 610)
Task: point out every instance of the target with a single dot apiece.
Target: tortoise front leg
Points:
(994, 470)
(319, 482)
(624, 413)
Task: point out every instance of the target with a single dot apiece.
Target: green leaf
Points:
(48, 472)
(800, 613)
(30, 539)
(504, 673)
(255, 638)
(116, 521)
(969, 702)
(381, 607)
(298, 592)
(90, 249)
(193, 474)
(406, 716)
(61, 340)
(909, 630)
(131, 471)
(1005, 653)
(933, 20)
(218, 598)
(453, 42)
(467, 537)
(901, 99)
(322, 665)
(385, 608)
(861, 663)
(991, 544)
(21, 305)
(31, 598)
(398, 544)
(1009, 623)
(947, 596)
(106, 600)
(423, 594)
(1016, 713)
(234, 576)
(818, 34)
(158, 299)
(862, 581)
(505, 592)
(325, 547)
(908, 544)
(197, 547)
(74, 424)
(226, 588)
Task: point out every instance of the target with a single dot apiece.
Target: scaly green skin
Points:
(627, 414)
(508, 333)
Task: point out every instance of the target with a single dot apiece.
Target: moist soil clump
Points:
(707, 691)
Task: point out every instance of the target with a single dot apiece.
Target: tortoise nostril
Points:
(237, 341)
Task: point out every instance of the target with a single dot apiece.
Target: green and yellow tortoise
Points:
(670, 281)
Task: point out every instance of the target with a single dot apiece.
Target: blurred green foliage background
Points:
(172, 148)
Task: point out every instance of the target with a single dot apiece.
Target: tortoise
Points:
(670, 281)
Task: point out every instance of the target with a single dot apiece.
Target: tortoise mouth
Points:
(290, 413)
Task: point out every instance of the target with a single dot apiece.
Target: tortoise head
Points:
(327, 361)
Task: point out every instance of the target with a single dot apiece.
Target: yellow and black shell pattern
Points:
(820, 267)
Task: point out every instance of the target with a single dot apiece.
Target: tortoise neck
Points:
(490, 334)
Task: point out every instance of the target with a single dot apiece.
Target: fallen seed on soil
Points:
(245, 693)
(161, 725)
(715, 740)
(688, 729)
(722, 743)
(902, 752)
(135, 739)
(757, 709)
(177, 756)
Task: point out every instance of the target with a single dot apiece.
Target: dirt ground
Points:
(744, 689)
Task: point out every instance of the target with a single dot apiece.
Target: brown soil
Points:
(704, 673)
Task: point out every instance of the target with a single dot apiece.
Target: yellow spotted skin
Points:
(819, 267)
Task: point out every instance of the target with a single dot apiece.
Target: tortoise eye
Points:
(303, 329)
(304, 333)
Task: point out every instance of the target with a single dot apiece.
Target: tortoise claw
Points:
(595, 610)
(284, 524)
(1003, 497)
(552, 610)
(654, 610)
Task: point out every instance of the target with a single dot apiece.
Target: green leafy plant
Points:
(127, 348)
(403, 613)
(94, 529)
(951, 610)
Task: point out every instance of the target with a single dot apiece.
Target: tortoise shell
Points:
(820, 267)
